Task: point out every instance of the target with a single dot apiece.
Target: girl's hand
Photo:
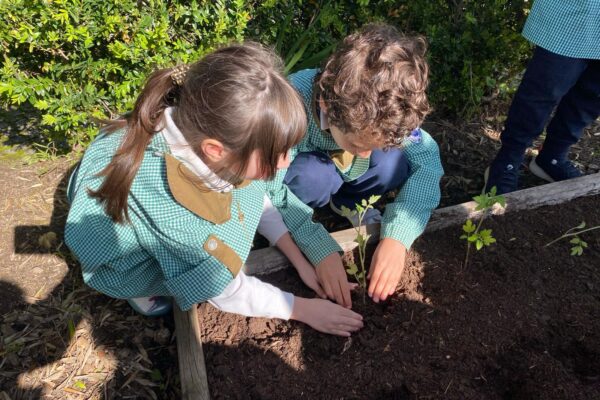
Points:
(326, 317)
(309, 277)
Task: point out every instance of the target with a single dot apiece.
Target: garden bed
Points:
(522, 321)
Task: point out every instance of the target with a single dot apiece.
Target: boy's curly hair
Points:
(374, 84)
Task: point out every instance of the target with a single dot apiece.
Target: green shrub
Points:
(77, 59)
(475, 48)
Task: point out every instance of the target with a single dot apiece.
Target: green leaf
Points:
(469, 226)
(41, 105)
(359, 239)
(79, 385)
(478, 245)
(581, 225)
(473, 238)
(352, 269)
(346, 212)
(49, 119)
(155, 375)
(575, 240)
(71, 328)
(374, 199)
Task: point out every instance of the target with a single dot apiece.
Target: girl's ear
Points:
(213, 149)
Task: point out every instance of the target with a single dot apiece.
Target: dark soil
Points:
(522, 321)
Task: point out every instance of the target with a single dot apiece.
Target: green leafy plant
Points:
(579, 245)
(472, 233)
(68, 61)
(358, 214)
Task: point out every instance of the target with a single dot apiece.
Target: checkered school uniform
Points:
(168, 249)
(406, 217)
(569, 28)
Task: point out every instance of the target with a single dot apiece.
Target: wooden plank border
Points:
(264, 261)
(192, 369)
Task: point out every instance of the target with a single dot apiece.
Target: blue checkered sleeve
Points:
(405, 219)
(312, 238)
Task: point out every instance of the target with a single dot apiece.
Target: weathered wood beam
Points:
(192, 370)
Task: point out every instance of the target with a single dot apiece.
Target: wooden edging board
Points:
(264, 261)
(192, 369)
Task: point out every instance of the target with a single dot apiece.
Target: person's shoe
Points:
(372, 215)
(155, 306)
(503, 173)
(554, 170)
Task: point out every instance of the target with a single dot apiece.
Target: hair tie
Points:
(178, 74)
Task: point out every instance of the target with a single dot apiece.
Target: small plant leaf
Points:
(346, 212)
(478, 244)
(359, 239)
(364, 203)
(79, 385)
(374, 199)
(581, 225)
(352, 269)
(473, 238)
(469, 226)
(575, 240)
(71, 328)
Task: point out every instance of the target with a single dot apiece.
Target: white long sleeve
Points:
(271, 224)
(249, 296)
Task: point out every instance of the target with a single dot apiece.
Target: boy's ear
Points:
(213, 149)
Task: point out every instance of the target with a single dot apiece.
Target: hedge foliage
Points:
(72, 60)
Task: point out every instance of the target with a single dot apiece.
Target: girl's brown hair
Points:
(236, 95)
(375, 84)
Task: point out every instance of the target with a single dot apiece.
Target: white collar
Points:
(181, 149)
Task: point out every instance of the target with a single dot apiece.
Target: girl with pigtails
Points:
(166, 200)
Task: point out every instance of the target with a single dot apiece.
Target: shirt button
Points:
(212, 245)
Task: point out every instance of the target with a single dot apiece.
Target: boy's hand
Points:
(386, 269)
(333, 279)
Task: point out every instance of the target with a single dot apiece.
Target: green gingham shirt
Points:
(405, 218)
(161, 251)
(570, 28)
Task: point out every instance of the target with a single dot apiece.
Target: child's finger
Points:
(352, 286)
(345, 294)
(319, 291)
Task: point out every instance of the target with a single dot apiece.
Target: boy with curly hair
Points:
(365, 109)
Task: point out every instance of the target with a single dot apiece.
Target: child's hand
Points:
(326, 317)
(333, 279)
(309, 277)
(386, 269)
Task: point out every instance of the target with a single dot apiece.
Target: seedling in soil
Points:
(473, 234)
(578, 243)
(359, 271)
